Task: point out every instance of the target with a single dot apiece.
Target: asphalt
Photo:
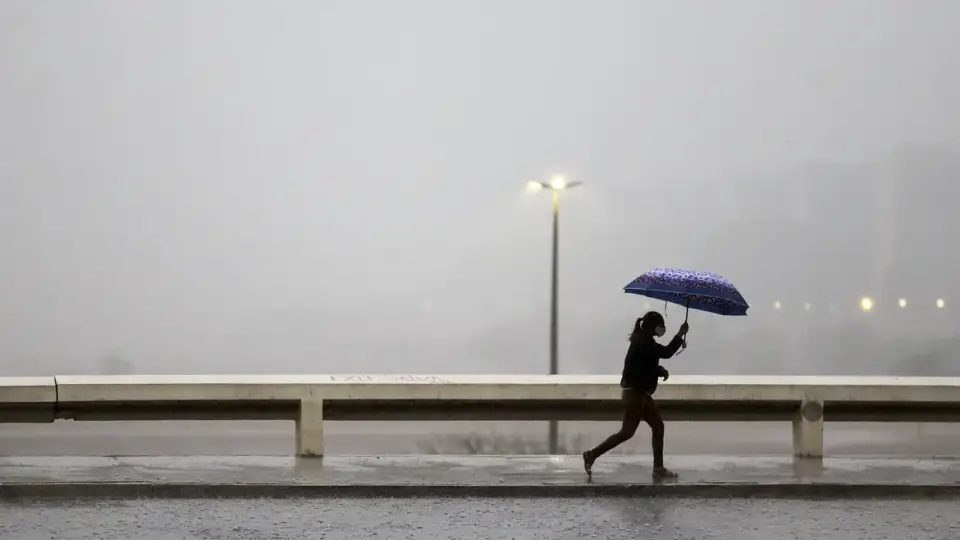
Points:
(463, 518)
(37, 477)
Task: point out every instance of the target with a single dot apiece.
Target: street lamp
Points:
(555, 185)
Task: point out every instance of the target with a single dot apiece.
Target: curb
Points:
(24, 492)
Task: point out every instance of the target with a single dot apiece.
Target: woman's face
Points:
(655, 325)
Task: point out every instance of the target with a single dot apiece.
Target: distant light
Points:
(941, 303)
(806, 306)
(558, 183)
(777, 305)
(902, 302)
(866, 303)
(534, 186)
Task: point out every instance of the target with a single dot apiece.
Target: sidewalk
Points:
(458, 476)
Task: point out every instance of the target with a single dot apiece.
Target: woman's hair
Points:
(651, 318)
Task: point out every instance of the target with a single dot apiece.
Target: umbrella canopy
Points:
(701, 291)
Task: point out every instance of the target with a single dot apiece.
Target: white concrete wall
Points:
(27, 390)
(27, 399)
(74, 389)
(810, 394)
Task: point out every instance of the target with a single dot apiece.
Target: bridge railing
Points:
(310, 400)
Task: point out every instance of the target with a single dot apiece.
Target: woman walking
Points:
(641, 371)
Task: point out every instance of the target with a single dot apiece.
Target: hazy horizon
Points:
(339, 186)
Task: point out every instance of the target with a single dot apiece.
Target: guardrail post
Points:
(808, 430)
(310, 428)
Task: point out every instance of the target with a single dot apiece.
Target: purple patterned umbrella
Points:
(702, 291)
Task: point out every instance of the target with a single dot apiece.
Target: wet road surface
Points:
(465, 518)
(371, 438)
(223, 452)
(503, 476)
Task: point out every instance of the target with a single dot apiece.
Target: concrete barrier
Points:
(310, 399)
(27, 399)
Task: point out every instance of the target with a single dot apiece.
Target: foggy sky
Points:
(337, 186)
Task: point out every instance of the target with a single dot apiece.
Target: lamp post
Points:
(556, 185)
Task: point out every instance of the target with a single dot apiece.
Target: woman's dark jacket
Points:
(641, 367)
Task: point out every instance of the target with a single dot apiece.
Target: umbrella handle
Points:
(686, 317)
